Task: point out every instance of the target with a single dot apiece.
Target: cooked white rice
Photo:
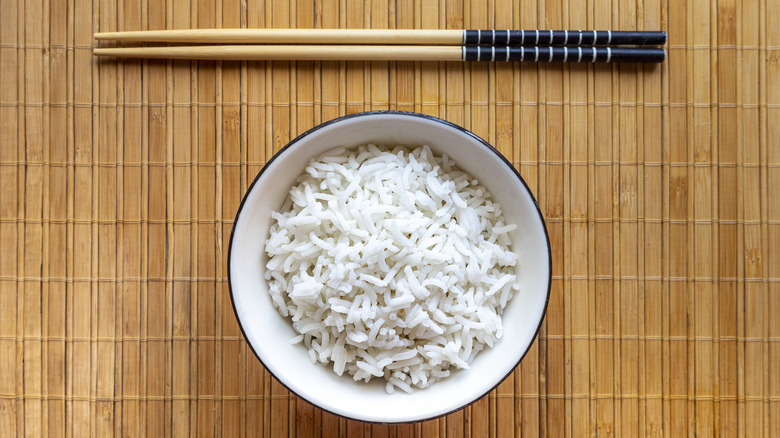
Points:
(391, 263)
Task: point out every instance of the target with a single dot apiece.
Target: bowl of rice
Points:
(389, 267)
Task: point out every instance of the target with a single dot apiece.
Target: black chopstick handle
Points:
(563, 54)
(563, 37)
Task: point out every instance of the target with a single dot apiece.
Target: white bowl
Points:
(268, 333)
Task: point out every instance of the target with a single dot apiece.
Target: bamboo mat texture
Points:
(119, 182)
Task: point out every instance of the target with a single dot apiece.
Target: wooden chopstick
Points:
(393, 36)
(391, 53)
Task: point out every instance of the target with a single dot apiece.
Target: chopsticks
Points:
(394, 45)
(391, 53)
(442, 37)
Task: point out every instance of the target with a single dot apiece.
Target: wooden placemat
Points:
(119, 182)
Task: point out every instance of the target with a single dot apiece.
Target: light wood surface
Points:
(290, 52)
(119, 181)
(292, 36)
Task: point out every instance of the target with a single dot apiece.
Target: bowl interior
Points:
(268, 332)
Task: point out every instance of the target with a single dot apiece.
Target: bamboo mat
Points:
(119, 182)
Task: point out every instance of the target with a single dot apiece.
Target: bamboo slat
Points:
(528, 376)
(576, 230)
(119, 181)
(771, 160)
(10, 383)
(502, 411)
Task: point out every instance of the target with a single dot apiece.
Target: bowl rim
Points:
(463, 130)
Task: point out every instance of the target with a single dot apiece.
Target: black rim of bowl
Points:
(407, 114)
